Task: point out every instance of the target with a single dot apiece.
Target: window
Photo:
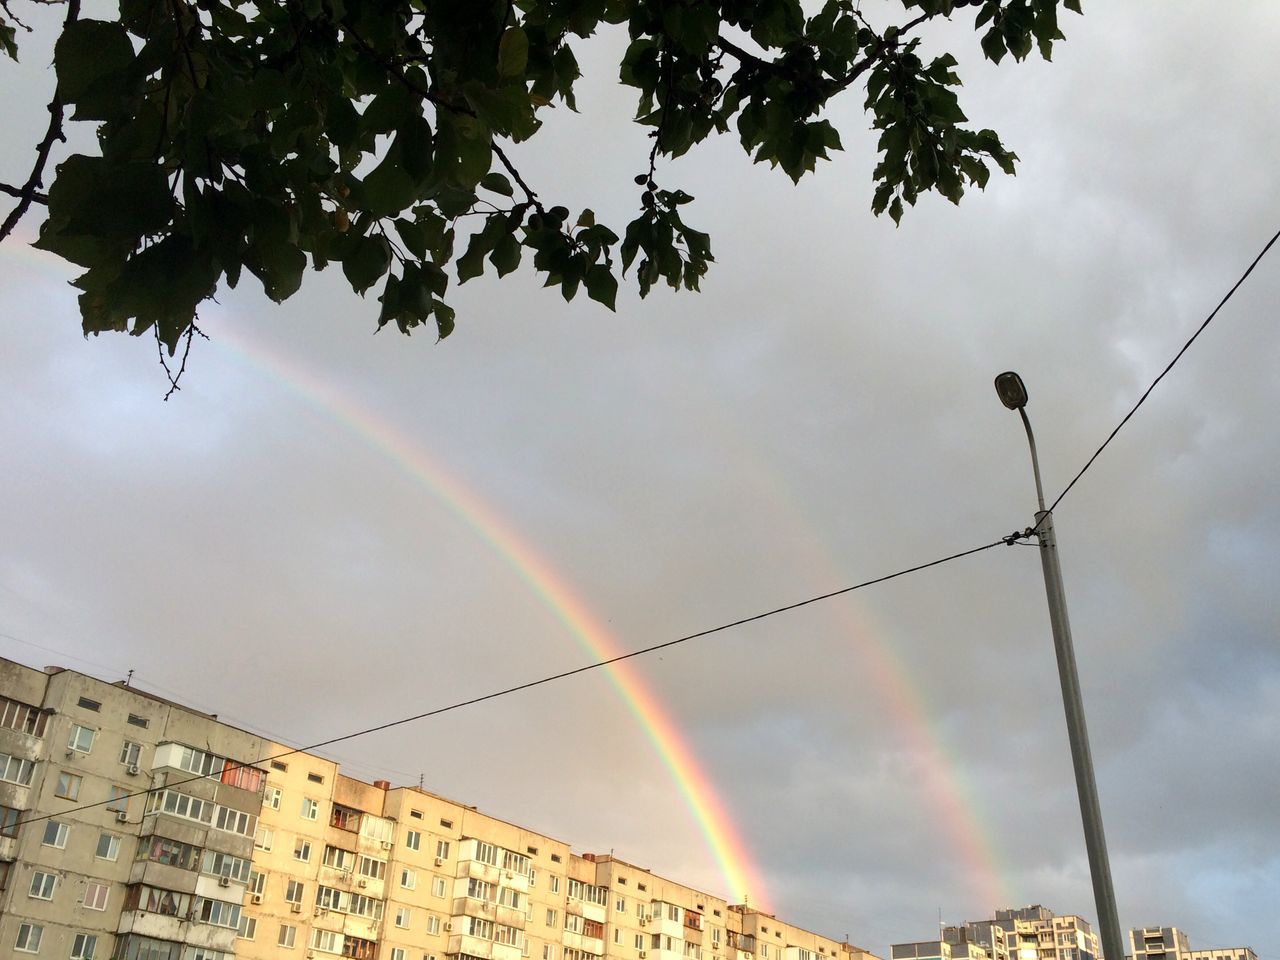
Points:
(257, 882)
(302, 850)
(433, 925)
(22, 717)
(310, 809)
(288, 936)
(515, 862)
(555, 858)
(29, 936)
(272, 798)
(293, 891)
(639, 941)
(83, 946)
(397, 953)
(117, 798)
(236, 821)
(42, 885)
(88, 704)
(508, 897)
(403, 915)
(479, 889)
(95, 895)
(217, 864)
(138, 721)
(555, 884)
(413, 840)
(315, 778)
(264, 838)
(617, 934)
(218, 913)
(279, 765)
(548, 952)
(437, 886)
(416, 814)
(130, 753)
(248, 929)
(55, 834)
(16, 770)
(338, 858)
(372, 868)
(345, 818)
(442, 849)
(326, 941)
(9, 821)
(81, 738)
(620, 904)
(408, 878)
(552, 918)
(170, 852)
(167, 903)
(242, 775)
(447, 824)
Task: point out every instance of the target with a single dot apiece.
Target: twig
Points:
(30, 189)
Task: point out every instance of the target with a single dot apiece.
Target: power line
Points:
(528, 685)
(1177, 357)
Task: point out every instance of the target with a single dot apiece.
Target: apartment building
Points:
(133, 828)
(1023, 933)
(1170, 943)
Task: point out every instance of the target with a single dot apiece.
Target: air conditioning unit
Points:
(364, 882)
(131, 769)
(70, 754)
(439, 861)
(509, 876)
(224, 881)
(644, 921)
(122, 816)
(295, 908)
(386, 844)
(256, 898)
(643, 954)
(448, 927)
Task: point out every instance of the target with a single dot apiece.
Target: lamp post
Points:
(1013, 394)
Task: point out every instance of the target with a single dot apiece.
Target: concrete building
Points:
(1170, 943)
(134, 828)
(1023, 933)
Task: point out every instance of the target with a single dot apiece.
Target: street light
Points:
(1013, 394)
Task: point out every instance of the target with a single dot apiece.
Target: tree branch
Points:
(30, 190)
(885, 44)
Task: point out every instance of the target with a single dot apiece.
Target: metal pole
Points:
(1095, 840)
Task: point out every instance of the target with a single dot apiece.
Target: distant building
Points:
(135, 828)
(1025, 933)
(1170, 943)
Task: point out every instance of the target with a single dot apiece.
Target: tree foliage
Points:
(384, 136)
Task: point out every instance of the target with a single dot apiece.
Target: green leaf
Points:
(90, 55)
(497, 183)
(8, 39)
(506, 255)
(513, 53)
(369, 259)
(602, 285)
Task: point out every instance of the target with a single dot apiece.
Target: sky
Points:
(327, 529)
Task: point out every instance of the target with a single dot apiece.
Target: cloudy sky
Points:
(303, 539)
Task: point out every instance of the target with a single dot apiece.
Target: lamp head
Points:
(1011, 390)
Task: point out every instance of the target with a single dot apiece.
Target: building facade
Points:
(133, 828)
(1170, 943)
(1022, 933)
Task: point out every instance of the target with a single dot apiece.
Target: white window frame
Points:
(287, 937)
(113, 847)
(302, 850)
(77, 735)
(404, 916)
(310, 809)
(413, 839)
(96, 885)
(60, 833)
(46, 889)
(130, 753)
(28, 931)
(84, 946)
(408, 878)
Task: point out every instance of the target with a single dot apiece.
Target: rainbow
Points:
(951, 796)
(709, 812)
